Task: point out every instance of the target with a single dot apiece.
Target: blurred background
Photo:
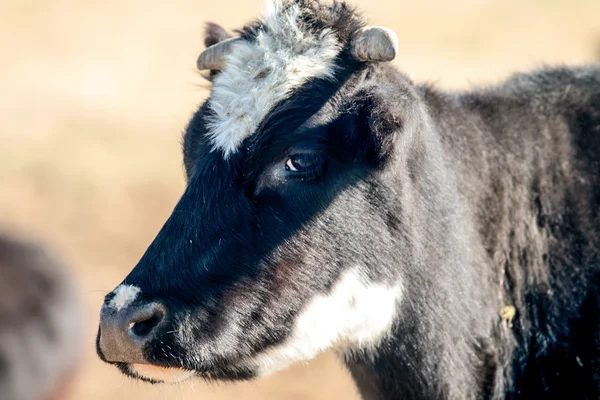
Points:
(94, 95)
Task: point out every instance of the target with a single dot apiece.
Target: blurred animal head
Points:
(287, 239)
(40, 323)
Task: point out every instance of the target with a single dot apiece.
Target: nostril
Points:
(144, 322)
(143, 328)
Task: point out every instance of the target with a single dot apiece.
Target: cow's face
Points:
(287, 239)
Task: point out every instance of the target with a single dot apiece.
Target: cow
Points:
(41, 322)
(446, 245)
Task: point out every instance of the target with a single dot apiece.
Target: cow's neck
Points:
(385, 373)
(418, 360)
(401, 369)
(380, 377)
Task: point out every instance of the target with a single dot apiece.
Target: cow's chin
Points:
(156, 374)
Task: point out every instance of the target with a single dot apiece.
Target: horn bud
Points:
(213, 57)
(374, 43)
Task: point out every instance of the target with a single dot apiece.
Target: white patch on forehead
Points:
(124, 295)
(355, 313)
(259, 75)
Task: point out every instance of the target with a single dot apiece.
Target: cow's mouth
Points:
(156, 374)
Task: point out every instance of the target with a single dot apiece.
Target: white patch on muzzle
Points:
(124, 295)
(260, 74)
(355, 314)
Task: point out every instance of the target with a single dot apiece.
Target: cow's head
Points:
(293, 229)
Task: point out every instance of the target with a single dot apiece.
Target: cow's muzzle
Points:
(125, 332)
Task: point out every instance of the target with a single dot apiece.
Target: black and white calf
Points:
(446, 245)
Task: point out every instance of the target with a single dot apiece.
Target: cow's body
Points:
(523, 162)
(445, 245)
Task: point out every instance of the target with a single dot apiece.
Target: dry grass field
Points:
(94, 95)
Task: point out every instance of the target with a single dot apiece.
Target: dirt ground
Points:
(94, 95)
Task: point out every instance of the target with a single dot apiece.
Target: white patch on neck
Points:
(124, 295)
(259, 75)
(354, 314)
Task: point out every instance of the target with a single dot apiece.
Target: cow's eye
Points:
(303, 165)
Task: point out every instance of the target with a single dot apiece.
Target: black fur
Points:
(479, 203)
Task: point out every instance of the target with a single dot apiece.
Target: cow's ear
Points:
(213, 34)
(379, 125)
